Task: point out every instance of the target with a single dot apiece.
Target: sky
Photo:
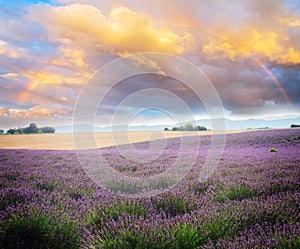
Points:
(49, 51)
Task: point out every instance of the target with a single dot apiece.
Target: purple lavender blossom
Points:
(251, 201)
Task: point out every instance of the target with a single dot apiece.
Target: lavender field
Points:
(251, 200)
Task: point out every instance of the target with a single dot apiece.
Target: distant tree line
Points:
(187, 127)
(295, 125)
(31, 129)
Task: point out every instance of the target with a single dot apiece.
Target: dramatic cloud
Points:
(124, 31)
(266, 33)
(36, 112)
(22, 117)
(253, 42)
(291, 21)
(250, 50)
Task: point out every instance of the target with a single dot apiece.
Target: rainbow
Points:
(264, 67)
(22, 96)
(274, 79)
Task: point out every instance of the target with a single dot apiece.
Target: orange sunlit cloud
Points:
(4, 111)
(45, 77)
(123, 31)
(292, 21)
(253, 42)
(35, 112)
(74, 56)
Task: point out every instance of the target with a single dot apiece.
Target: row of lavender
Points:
(251, 201)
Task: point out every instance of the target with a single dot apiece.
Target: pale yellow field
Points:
(102, 139)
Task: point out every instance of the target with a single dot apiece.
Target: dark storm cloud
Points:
(289, 78)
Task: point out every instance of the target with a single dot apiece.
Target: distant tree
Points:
(295, 125)
(26, 130)
(33, 128)
(200, 128)
(1, 131)
(47, 129)
(20, 130)
(11, 131)
(166, 129)
(188, 127)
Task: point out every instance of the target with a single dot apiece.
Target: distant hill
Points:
(90, 128)
(230, 125)
(253, 123)
(261, 123)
